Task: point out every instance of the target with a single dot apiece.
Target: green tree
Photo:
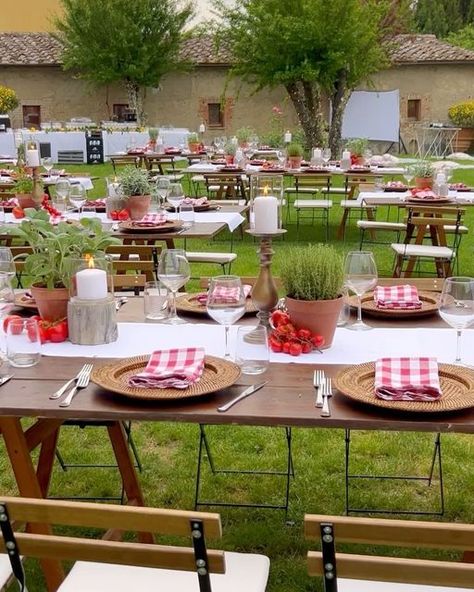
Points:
(463, 38)
(443, 17)
(135, 43)
(8, 99)
(311, 47)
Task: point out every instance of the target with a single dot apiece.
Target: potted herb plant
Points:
(295, 155)
(313, 278)
(462, 115)
(423, 174)
(153, 137)
(357, 147)
(53, 249)
(194, 143)
(230, 150)
(243, 136)
(136, 189)
(24, 191)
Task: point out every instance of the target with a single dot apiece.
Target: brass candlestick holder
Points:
(37, 193)
(264, 292)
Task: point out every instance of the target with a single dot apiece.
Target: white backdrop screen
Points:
(372, 115)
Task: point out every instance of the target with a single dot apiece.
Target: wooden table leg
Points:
(46, 461)
(28, 486)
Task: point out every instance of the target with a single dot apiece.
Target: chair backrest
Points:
(396, 533)
(125, 160)
(195, 525)
(225, 185)
(310, 180)
(421, 219)
(127, 260)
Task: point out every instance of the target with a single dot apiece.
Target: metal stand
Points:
(205, 447)
(436, 459)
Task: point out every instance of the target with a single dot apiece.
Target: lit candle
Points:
(346, 160)
(265, 211)
(91, 283)
(288, 137)
(202, 129)
(32, 158)
(317, 154)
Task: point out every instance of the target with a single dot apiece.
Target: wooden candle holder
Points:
(92, 322)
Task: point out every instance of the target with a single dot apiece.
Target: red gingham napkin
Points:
(153, 219)
(407, 379)
(224, 295)
(57, 219)
(171, 368)
(397, 297)
(195, 201)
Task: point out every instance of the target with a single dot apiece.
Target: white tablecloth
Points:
(118, 142)
(7, 144)
(460, 197)
(60, 141)
(232, 219)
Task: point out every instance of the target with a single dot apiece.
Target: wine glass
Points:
(175, 195)
(281, 155)
(7, 301)
(77, 196)
(47, 163)
(173, 272)
(408, 174)
(162, 187)
(62, 191)
(7, 263)
(360, 277)
(226, 303)
(456, 307)
(326, 155)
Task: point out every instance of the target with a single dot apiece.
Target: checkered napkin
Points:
(196, 201)
(153, 220)
(223, 295)
(57, 219)
(407, 379)
(171, 368)
(397, 297)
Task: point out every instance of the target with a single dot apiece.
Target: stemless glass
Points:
(7, 264)
(77, 196)
(7, 296)
(360, 277)
(23, 343)
(186, 214)
(173, 272)
(226, 303)
(175, 195)
(457, 307)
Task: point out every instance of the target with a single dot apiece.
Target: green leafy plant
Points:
(462, 114)
(357, 146)
(313, 272)
(23, 184)
(8, 99)
(295, 150)
(193, 138)
(230, 149)
(54, 246)
(134, 181)
(153, 133)
(422, 169)
(244, 134)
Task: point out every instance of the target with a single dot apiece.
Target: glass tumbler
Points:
(23, 343)
(251, 351)
(155, 298)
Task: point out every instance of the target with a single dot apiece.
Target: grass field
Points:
(169, 452)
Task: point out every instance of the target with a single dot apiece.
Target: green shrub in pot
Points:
(136, 187)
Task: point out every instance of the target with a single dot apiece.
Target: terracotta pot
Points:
(51, 303)
(357, 160)
(295, 162)
(424, 182)
(229, 159)
(194, 147)
(320, 316)
(464, 139)
(25, 200)
(137, 206)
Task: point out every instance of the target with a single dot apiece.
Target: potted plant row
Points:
(53, 249)
(136, 189)
(313, 278)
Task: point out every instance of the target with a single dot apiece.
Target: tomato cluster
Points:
(18, 212)
(120, 215)
(47, 205)
(54, 331)
(286, 338)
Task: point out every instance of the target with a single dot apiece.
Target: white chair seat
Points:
(346, 585)
(452, 229)
(221, 258)
(355, 203)
(423, 251)
(375, 225)
(307, 190)
(198, 179)
(244, 572)
(302, 204)
(5, 570)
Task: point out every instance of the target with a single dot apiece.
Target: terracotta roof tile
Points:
(416, 49)
(28, 49)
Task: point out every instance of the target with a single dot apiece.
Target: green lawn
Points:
(169, 453)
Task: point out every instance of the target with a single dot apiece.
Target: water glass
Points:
(360, 277)
(23, 343)
(2, 215)
(251, 351)
(155, 298)
(186, 214)
(345, 313)
(456, 307)
(89, 211)
(173, 272)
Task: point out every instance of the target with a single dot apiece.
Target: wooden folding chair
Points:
(312, 186)
(225, 186)
(124, 160)
(348, 572)
(123, 566)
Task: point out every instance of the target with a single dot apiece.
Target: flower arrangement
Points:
(8, 99)
(462, 114)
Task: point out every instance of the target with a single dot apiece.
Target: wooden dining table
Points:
(287, 400)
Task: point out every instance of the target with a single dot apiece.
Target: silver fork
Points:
(81, 383)
(327, 393)
(318, 379)
(60, 392)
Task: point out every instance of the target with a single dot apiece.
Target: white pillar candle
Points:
(202, 129)
(346, 154)
(288, 137)
(32, 158)
(346, 160)
(265, 211)
(91, 284)
(317, 154)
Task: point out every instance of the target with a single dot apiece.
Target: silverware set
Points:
(323, 388)
(80, 381)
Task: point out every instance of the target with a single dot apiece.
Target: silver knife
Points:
(248, 391)
(5, 378)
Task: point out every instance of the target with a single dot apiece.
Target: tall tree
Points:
(311, 47)
(443, 17)
(464, 37)
(135, 43)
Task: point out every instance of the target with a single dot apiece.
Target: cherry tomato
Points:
(295, 348)
(58, 332)
(17, 328)
(275, 346)
(317, 341)
(43, 333)
(307, 347)
(123, 215)
(279, 318)
(304, 334)
(18, 212)
(286, 347)
(114, 214)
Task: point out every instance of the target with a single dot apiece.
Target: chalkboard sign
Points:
(94, 147)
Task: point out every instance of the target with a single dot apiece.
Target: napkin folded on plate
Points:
(397, 297)
(171, 368)
(223, 295)
(195, 201)
(407, 379)
(152, 220)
